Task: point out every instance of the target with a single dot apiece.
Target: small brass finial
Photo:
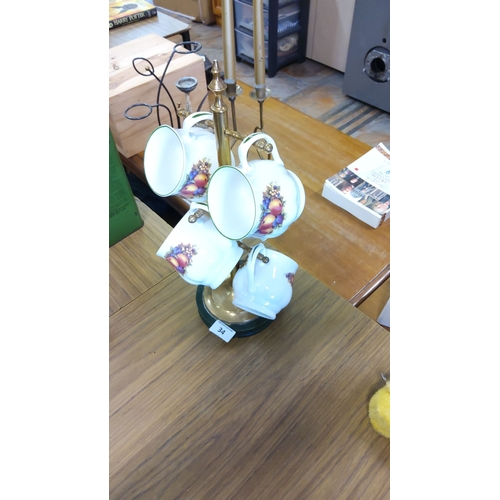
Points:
(217, 85)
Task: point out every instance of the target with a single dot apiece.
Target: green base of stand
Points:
(242, 330)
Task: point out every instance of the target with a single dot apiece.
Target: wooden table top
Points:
(133, 264)
(161, 24)
(345, 254)
(282, 414)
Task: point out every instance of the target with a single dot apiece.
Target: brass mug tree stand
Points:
(216, 304)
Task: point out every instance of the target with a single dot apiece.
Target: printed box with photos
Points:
(364, 187)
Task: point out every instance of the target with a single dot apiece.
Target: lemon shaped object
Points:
(379, 410)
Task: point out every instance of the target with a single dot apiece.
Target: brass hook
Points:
(196, 215)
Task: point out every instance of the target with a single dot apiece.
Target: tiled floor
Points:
(310, 87)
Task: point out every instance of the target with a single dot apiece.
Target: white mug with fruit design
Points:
(181, 161)
(198, 252)
(264, 289)
(256, 199)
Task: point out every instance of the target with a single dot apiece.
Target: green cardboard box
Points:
(124, 216)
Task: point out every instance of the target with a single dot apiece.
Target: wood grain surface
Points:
(133, 264)
(333, 245)
(280, 415)
(345, 254)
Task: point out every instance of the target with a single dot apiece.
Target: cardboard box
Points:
(128, 87)
(198, 10)
(124, 216)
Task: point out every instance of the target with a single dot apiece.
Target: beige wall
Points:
(329, 31)
(200, 10)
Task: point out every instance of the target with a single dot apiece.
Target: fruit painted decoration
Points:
(290, 277)
(273, 214)
(197, 179)
(180, 257)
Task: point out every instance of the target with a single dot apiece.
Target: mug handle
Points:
(247, 143)
(197, 204)
(252, 259)
(194, 118)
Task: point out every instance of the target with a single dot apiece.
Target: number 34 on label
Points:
(222, 330)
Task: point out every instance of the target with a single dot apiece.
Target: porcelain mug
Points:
(256, 199)
(264, 289)
(198, 252)
(181, 161)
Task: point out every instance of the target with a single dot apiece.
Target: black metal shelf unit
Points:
(285, 32)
